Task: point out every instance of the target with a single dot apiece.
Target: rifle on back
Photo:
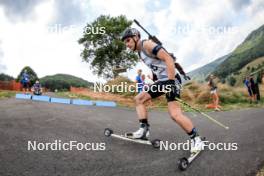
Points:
(157, 41)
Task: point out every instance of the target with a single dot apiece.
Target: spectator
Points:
(25, 80)
(213, 92)
(143, 78)
(139, 81)
(252, 85)
(147, 83)
(247, 84)
(36, 89)
(148, 80)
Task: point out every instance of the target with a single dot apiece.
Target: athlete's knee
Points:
(141, 98)
(138, 99)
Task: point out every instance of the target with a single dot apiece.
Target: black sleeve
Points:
(179, 68)
(156, 49)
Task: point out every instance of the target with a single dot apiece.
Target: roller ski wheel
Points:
(156, 143)
(183, 164)
(108, 132)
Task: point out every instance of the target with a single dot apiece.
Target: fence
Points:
(10, 85)
(78, 89)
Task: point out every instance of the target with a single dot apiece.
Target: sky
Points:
(43, 34)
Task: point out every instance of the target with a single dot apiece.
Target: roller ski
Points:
(197, 146)
(141, 136)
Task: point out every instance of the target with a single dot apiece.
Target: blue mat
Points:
(66, 100)
(105, 103)
(60, 100)
(41, 98)
(23, 96)
(82, 102)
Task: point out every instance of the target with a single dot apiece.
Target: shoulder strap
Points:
(145, 52)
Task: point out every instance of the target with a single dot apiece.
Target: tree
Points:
(236, 73)
(222, 80)
(63, 82)
(53, 84)
(32, 75)
(4, 77)
(232, 81)
(103, 48)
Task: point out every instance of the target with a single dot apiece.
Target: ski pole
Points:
(193, 113)
(204, 114)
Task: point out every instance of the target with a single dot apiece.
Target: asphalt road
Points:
(22, 121)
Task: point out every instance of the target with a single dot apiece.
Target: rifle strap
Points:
(145, 52)
(177, 65)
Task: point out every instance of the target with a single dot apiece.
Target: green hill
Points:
(251, 49)
(254, 66)
(201, 73)
(63, 82)
(238, 63)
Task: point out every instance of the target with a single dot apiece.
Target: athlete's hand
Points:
(186, 77)
(169, 82)
(172, 90)
(170, 86)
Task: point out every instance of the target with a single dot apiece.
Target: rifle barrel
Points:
(142, 27)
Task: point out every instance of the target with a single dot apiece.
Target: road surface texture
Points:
(24, 120)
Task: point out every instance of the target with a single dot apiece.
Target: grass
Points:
(195, 94)
(6, 94)
(72, 95)
(260, 172)
(230, 97)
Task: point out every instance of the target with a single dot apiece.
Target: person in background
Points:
(36, 89)
(149, 80)
(258, 82)
(147, 83)
(139, 81)
(252, 85)
(143, 78)
(247, 84)
(213, 92)
(25, 80)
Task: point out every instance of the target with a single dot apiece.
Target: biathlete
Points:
(162, 64)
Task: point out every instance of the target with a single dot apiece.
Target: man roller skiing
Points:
(162, 64)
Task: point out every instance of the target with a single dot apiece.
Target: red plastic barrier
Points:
(10, 85)
(78, 89)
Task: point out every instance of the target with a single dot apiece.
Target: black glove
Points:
(172, 91)
(186, 77)
(170, 85)
(169, 82)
